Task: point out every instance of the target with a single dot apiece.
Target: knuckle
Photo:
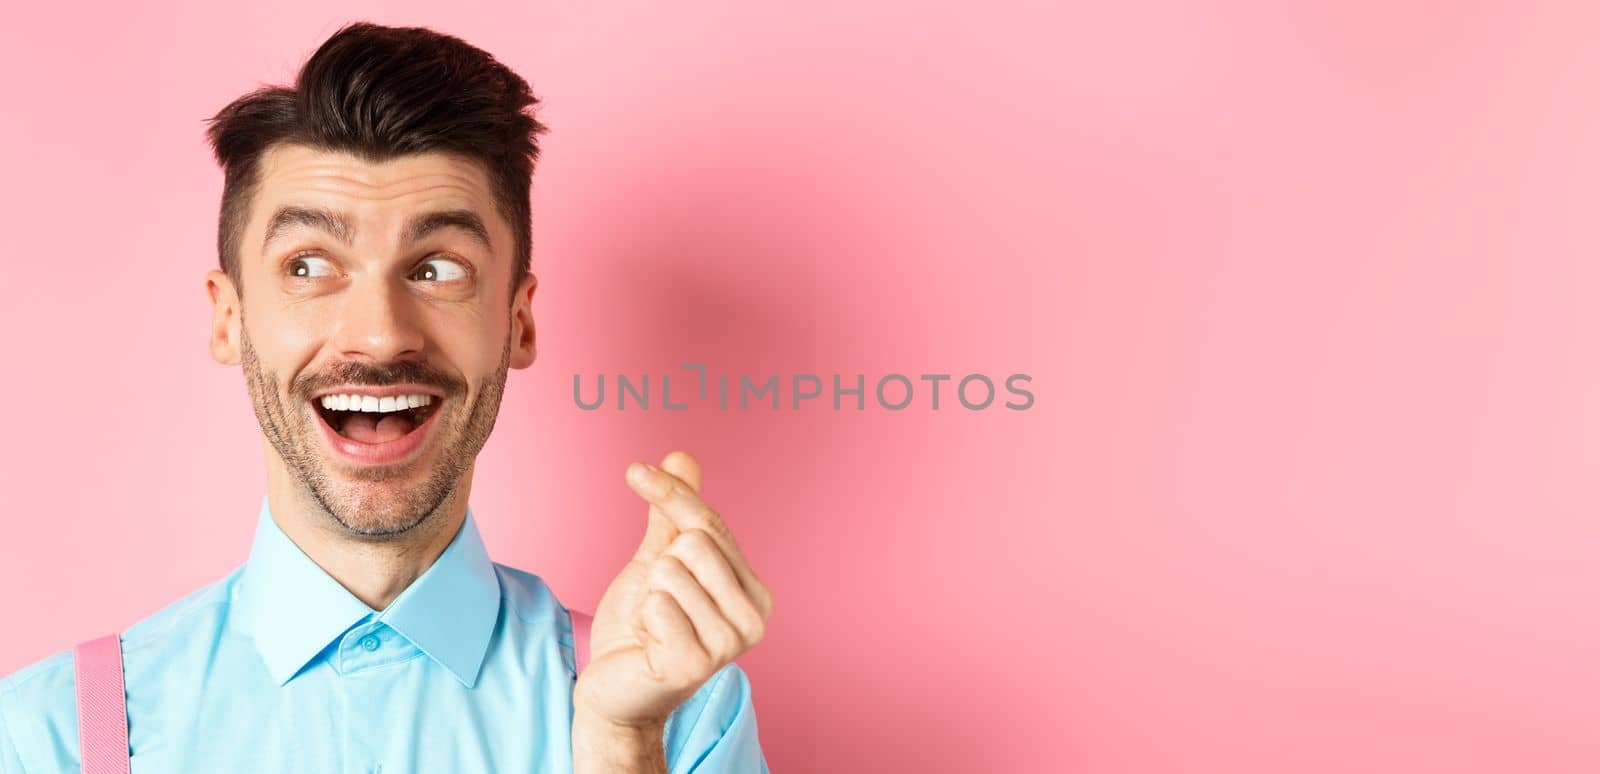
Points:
(728, 645)
(754, 628)
(697, 542)
(710, 523)
(665, 567)
(749, 628)
(657, 604)
(678, 490)
(695, 514)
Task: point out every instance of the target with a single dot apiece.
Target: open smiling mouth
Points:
(368, 419)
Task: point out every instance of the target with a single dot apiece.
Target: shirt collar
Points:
(293, 608)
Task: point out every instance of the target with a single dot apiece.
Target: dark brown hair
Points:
(381, 92)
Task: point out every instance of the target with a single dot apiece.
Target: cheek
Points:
(285, 342)
(473, 346)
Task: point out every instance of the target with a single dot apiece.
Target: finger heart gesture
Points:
(685, 605)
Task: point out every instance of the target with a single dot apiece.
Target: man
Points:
(375, 286)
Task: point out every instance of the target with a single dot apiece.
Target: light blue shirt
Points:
(278, 668)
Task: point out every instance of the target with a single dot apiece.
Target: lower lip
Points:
(386, 453)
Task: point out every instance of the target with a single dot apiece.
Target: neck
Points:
(374, 568)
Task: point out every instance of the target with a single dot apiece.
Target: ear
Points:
(225, 319)
(523, 349)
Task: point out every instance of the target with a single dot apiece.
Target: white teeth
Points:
(351, 402)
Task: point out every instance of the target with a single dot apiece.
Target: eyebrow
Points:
(462, 220)
(289, 217)
(338, 226)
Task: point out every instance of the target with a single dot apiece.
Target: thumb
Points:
(659, 532)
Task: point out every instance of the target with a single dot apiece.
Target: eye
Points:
(439, 270)
(309, 267)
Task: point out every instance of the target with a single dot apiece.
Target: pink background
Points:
(1307, 292)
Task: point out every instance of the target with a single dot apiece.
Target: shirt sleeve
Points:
(721, 738)
(10, 763)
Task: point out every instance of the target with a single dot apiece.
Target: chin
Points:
(383, 507)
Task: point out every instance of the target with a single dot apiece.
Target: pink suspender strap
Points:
(580, 637)
(102, 706)
(102, 698)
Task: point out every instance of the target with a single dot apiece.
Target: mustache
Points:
(351, 372)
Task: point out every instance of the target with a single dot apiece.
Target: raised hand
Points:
(686, 605)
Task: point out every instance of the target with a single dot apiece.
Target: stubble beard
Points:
(373, 506)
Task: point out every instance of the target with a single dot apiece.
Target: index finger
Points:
(679, 502)
(683, 465)
(660, 530)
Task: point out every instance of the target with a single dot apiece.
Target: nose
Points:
(379, 322)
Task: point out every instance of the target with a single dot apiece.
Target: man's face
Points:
(374, 331)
